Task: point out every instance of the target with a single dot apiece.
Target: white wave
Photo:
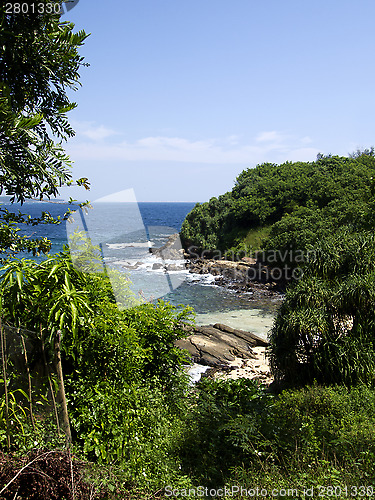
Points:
(203, 279)
(148, 265)
(118, 246)
(126, 263)
(195, 372)
(176, 262)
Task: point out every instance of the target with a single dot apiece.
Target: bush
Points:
(130, 427)
(221, 428)
(235, 426)
(318, 422)
(324, 329)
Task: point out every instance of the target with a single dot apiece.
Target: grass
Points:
(246, 242)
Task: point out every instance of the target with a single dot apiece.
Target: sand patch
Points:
(257, 368)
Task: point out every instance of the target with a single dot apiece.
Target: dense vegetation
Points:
(39, 63)
(317, 218)
(122, 377)
(292, 206)
(324, 329)
(94, 400)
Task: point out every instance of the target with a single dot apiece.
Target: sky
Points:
(181, 96)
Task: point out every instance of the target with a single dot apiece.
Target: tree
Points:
(324, 330)
(39, 63)
(323, 195)
(43, 298)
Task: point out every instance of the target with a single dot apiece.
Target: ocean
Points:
(125, 232)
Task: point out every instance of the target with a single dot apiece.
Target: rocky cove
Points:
(247, 274)
(228, 352)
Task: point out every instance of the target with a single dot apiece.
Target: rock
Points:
(249, 336)
(129, 266)
(157, 266)
(246, 275)
(219, 345)
(249, 260)
(171, 250)
(173, 267)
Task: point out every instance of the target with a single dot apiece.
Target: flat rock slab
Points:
(218, 345)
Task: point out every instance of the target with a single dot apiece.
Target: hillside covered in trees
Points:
(288, 206)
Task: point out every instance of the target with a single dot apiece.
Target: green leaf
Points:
(19, 277)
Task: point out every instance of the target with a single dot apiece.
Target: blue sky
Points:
(181, 96)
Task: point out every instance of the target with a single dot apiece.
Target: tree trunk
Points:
(29, 381)
(4, 363)
(49, 381)
(62, 398)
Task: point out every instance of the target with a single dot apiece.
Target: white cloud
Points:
(173, 143)
(233, 139)
(306, 140)
(272, 146)
(271, 136)
(92, 131)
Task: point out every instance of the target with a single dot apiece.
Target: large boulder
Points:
(219, 345)
(172, 250)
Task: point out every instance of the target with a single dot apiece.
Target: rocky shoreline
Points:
(242, 276)
(245, 275)
(229, 352)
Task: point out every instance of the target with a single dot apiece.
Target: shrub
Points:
(324, 329)
(236, 426)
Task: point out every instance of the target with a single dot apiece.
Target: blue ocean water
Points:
(170, 215)
(125, 232)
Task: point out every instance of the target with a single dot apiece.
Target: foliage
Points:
(132, 345)
(203, 225)
(123, 374)
(45, 297)
(236, 432)
(324, 329)
(226, 433)
(221, 428)
(27, 434)
(127, 425)
(320, 478)
(333, 422)
(128, 398)
(54, 295)
(299, 202)
(39, 63)
(127, 390)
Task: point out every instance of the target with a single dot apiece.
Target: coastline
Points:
(232, 344)
(242, 276)
(221, 352)
(245, 275)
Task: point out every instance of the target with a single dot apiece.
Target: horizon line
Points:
(148, 201)
(7, 197)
